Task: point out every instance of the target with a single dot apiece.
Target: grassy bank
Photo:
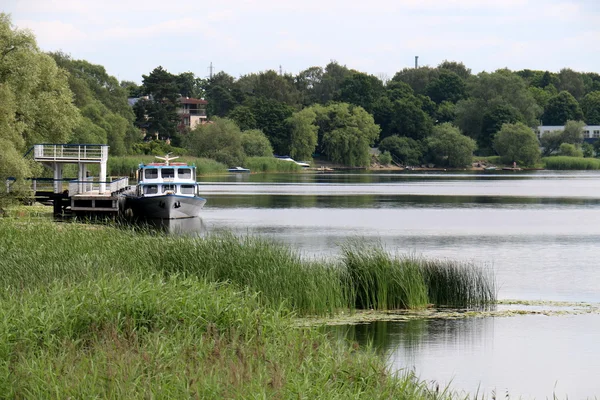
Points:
(571, 163)
(365, 277)
(133, 336)
(94, 311)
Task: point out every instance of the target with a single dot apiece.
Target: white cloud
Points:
(53, 34)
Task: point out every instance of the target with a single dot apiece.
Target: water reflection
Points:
(529, 356)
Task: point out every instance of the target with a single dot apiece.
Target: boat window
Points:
(184, 173)
(187, 189)
(168, 173)
(150, 189)
(151, 173)
(167, 188)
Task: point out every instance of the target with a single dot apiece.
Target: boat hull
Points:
(168, 206)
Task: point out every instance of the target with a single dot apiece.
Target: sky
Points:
(131, 38)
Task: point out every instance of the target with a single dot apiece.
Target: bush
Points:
(570, 150)
(385, 158)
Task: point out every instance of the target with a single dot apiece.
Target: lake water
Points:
(539, 232)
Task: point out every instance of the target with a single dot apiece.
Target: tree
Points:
(590, 105)
(543, 96)
(572, 82)
(561, 108)
(448, 86)
(501, 90)
(492, 122)
(132, 88)
(361, 90)
(550, 142)
(446, 112)
(330, 84)
(517, 143)
(270, 116)
(308, 83)
(345, 133)
(243, 117)
(220, 140)
(222, 94)
(256, 144)
(573, 132)
(303, 134)
(190, 86)
(457, 67)
(406, 150)
(36, 104)
(408, 119)
(450, 147)
(158, 115)
(103, 101)
(417, 78)
(270, 85)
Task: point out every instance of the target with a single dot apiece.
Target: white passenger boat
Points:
(166, 190)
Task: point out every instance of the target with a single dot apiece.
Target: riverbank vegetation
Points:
(571, 163)
(91, 310)
(334, 112)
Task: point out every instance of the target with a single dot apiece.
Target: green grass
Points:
(571, 163)
(383, 282)
(365, 277)
(90, 311)
(270, 164)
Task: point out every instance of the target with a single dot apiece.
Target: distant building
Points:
(192, 112)
(591, 133)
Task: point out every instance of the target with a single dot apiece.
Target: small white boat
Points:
(288, 158)
(238, 169)
(165, 190)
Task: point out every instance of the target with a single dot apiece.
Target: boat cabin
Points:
(156, 179)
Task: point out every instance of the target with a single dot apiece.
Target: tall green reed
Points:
(571, 163)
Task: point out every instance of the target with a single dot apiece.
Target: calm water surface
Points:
(539, 232)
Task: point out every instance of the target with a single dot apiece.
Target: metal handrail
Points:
(89, 185)
(68, 152)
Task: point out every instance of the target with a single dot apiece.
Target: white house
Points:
(591, 133)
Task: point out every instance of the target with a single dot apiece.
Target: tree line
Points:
(438, 115)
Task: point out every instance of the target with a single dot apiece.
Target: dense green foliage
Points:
(517, 143)
(221, 141)
(345, 133)
(82, 103)
(569, 150)
(35, 100)
(405, 150)
(256, 144)
(107, 117)
(450, 147)
(94, 320)
(571, 134)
